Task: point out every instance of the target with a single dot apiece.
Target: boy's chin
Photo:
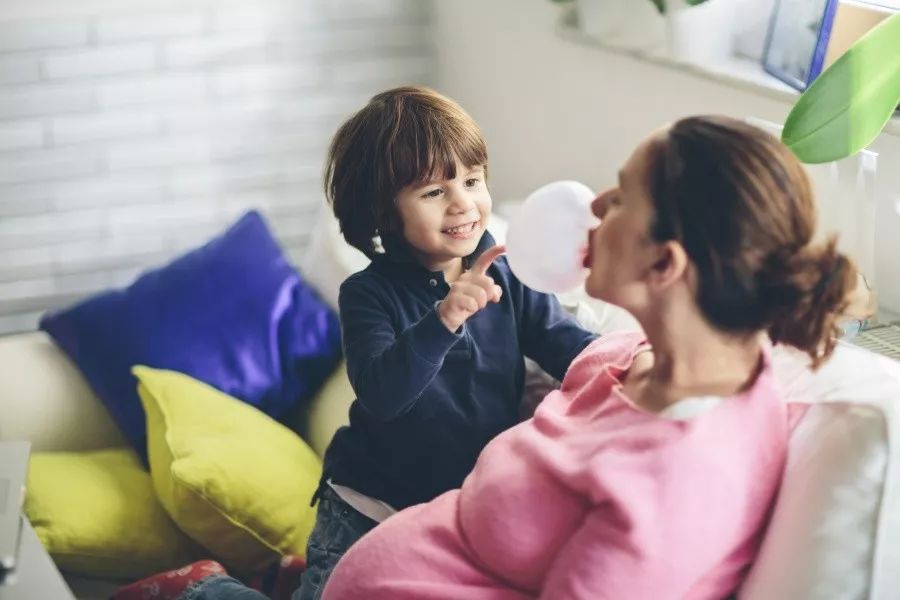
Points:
(464, 247)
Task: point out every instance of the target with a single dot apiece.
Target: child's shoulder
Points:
(370, 276)
(367, 283)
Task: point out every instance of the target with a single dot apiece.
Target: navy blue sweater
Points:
(428, 400)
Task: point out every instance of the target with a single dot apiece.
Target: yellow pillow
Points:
(232, 478)
(97, 514)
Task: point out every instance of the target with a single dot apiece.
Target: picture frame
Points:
(797, 40)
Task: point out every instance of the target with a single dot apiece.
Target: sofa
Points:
(835, 529)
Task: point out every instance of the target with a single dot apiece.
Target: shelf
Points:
(734, 71)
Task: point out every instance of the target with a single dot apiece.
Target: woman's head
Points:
(403, 140)
(722, 213)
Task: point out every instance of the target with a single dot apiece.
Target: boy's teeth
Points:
(462, 228)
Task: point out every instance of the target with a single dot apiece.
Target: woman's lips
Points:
(587, 251)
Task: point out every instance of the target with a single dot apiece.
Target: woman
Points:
(651, 473)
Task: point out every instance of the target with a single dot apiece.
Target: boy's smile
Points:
(444, 219)
(462, 232)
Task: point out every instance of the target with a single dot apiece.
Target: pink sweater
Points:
(593, 499)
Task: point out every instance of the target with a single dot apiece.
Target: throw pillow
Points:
(96, 514)
(233, 313)
(232, 478)
(327, 412)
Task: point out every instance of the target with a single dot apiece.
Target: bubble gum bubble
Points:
(548, 235)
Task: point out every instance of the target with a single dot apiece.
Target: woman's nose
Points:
(598, 206)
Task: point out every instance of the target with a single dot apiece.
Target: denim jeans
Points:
(221, 587)
(338, 526)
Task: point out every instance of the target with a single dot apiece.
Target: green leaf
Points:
(661, 4)
(848, 105)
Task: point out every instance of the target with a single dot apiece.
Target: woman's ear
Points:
(669, 266)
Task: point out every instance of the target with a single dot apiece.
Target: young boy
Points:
(434, 329)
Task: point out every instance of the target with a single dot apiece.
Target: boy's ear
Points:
(670, 264)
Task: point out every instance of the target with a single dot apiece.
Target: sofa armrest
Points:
(44, 399)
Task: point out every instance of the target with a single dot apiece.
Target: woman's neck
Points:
(691, 358)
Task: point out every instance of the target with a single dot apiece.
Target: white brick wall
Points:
(109, 124)
(129, 137)
(19, 70)
(41, 35)
(21, 134)
(121, 28)
(122, 58)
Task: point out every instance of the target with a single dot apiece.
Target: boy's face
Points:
(443, 220)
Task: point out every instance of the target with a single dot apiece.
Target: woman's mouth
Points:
(587, 251)
(461, 232)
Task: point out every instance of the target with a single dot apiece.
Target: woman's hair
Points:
(403, 136)
(741, 205)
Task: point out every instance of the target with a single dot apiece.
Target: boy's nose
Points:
(460, 204)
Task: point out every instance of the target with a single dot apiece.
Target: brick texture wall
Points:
(129, 137)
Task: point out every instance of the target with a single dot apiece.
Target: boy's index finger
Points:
(489, 256)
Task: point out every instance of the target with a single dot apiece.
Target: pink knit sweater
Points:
(592, 499)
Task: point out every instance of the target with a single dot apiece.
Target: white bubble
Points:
(548, 237)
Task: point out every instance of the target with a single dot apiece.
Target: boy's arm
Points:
(551, 336)
(389, 372)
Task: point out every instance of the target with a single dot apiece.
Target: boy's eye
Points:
(433, 193)
(472, 181)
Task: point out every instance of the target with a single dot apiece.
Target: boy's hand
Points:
(471, 292)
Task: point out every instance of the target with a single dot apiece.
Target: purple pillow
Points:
(232, 313)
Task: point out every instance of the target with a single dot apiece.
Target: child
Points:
(434, 329)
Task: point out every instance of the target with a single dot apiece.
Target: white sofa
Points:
(835, 532)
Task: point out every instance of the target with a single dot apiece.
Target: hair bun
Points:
(805, 293)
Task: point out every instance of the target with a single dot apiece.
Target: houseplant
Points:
(850, 103)
(689, 32)
(848, 106)
(698, 34)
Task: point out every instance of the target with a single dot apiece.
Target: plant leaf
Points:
(660, 6)
(848, 105)
(694, 2)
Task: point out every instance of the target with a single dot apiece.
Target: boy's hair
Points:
(403, 136)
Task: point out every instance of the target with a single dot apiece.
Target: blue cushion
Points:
(233, 313)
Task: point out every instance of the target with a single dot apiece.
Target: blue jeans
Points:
(338, 526)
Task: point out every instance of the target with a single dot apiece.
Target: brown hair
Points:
(742, 206)
(402, 136)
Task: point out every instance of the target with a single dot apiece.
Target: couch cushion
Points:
(835, 530)
(233, 479)
(326, 413)
(232, 313)
(96, 514)
(36, 380)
